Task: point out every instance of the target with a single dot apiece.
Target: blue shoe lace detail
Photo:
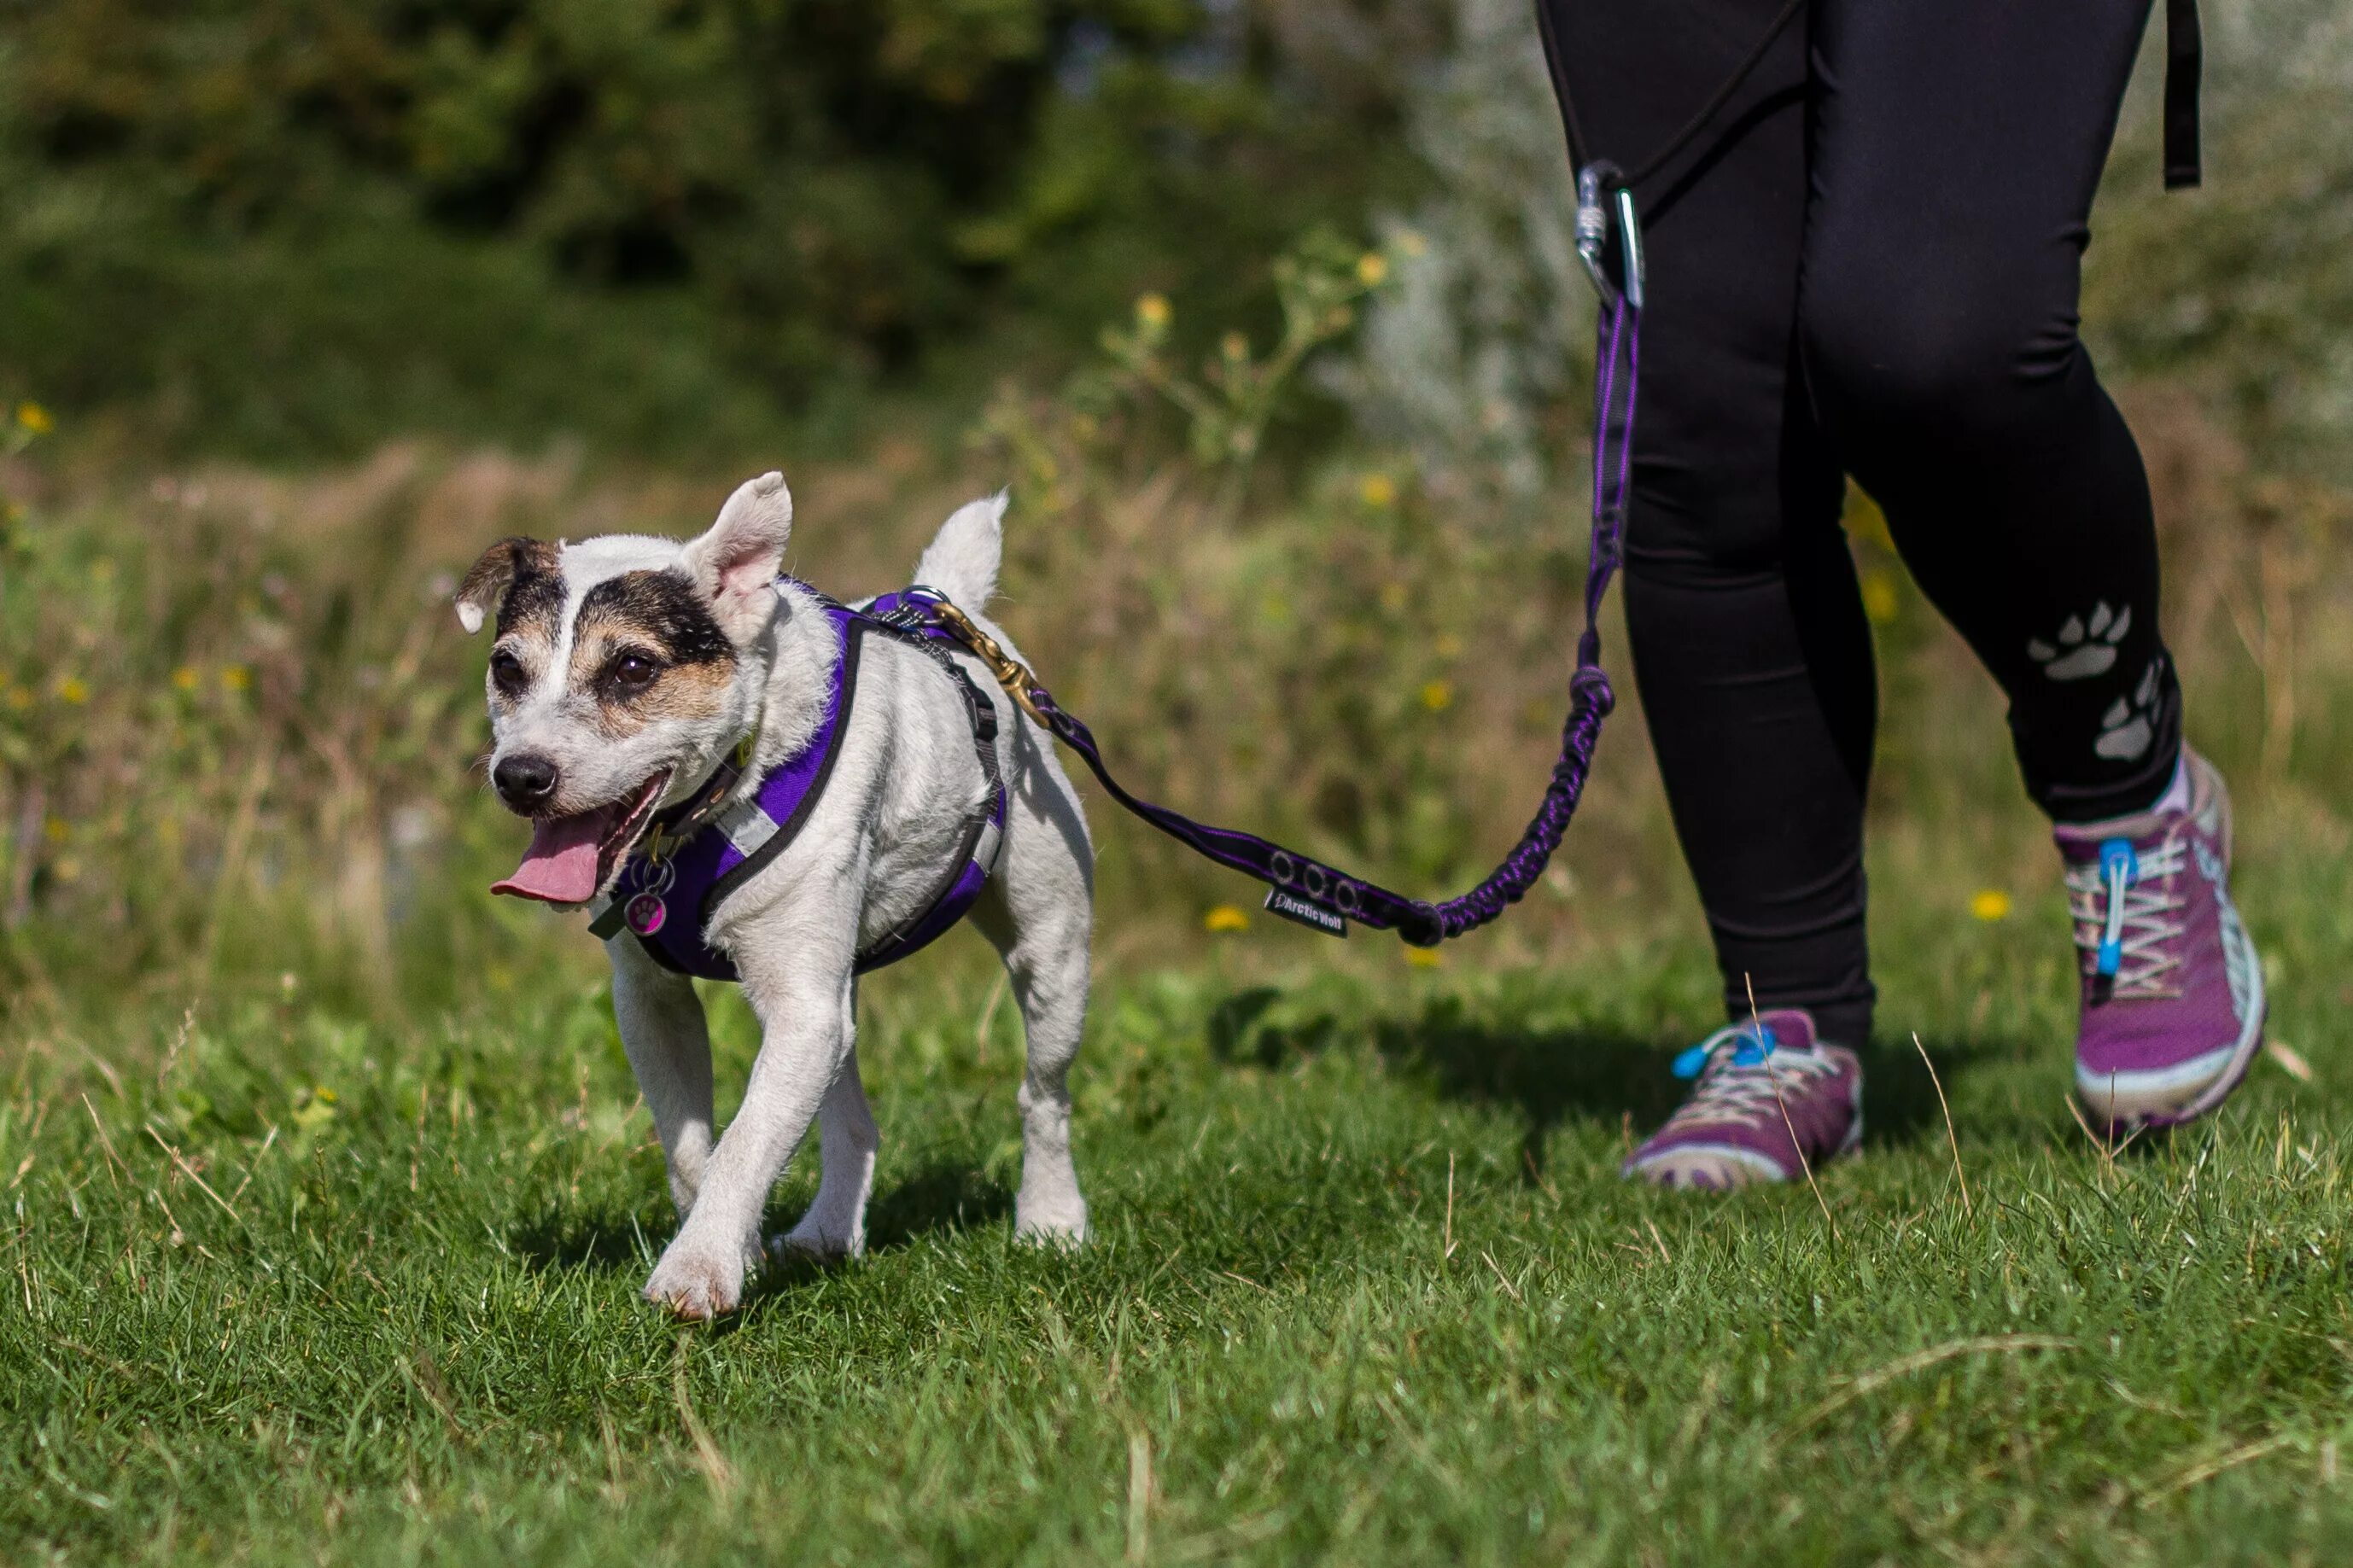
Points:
(1751, 1043)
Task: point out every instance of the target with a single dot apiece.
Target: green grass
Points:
(1366, 1286)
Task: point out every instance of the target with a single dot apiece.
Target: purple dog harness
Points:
(700, 852)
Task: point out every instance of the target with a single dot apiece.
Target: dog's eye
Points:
(507, 671)
(634, 672)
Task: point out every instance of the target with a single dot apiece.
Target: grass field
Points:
(1366, 1286)
(331, 1202)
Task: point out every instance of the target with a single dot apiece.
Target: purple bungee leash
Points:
(1300, 886)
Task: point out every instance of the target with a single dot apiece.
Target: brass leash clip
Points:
(1009, 671)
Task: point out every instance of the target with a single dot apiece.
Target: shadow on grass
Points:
(1552, 1076)
(560, 1237)
(941, 1194)
(944, 1194)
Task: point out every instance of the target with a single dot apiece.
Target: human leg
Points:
(1957, 150)
(1749, 645)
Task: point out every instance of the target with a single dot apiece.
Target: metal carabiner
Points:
(1593, 231)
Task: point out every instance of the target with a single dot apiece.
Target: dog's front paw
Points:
(698, 1282)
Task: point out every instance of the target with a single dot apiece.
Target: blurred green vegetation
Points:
(287, 227)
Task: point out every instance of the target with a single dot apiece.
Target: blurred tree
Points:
(840, 183)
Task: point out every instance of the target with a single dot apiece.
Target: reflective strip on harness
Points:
(746, 826)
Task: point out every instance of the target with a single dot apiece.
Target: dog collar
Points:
(673, 828)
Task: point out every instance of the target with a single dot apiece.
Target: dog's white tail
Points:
(963, 555)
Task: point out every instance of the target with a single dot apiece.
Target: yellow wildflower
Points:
(1152, 309)
(1235, 345)
(1990, 904)
(1879, 601)
(1225, 918)
(1424, 957)
(185, 678)
(1394, 597)
(1377, 489)
(1446, 644)
(1371, 268)
(35, 417)
(65, 868)
(1438, 696)
(56, 830)
(236, 676)
(72, 690)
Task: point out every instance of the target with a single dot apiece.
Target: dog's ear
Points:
(735, 565)
(501, 564)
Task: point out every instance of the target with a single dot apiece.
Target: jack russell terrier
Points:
(742, 779)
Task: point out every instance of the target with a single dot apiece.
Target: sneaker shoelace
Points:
(2129, 917)
(1745, 1078)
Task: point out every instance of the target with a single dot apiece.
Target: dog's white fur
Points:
(890, 816)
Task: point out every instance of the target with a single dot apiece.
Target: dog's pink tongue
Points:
(560, 867)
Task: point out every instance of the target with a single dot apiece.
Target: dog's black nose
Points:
(524, 782)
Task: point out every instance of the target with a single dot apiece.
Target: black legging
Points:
(1869, 264)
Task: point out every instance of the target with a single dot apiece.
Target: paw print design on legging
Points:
(2083, 651)
(2130, 724)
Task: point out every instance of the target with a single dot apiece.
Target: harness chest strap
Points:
(701, 852)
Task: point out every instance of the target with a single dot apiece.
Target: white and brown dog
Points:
(635, 680)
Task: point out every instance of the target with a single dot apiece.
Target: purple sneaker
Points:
(2173, 992)
(1770, 1101)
